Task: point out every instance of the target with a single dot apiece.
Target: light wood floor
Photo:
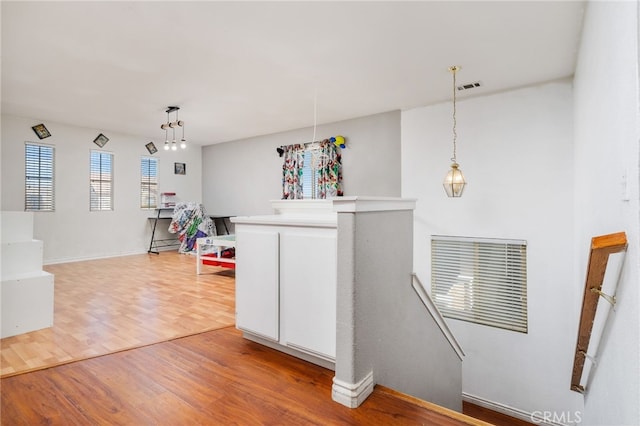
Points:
(108, 305)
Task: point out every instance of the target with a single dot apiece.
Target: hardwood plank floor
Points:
(214, 378)
(111, 305)
(488, 415)
(108, 305)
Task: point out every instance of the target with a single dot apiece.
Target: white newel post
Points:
(355, 351)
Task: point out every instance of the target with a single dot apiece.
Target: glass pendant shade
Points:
(454, 182)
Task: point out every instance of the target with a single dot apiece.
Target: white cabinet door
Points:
(308, 285)
(257, 284)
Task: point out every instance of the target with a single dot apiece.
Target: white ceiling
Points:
(241, 69)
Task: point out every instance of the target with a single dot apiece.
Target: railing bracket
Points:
(605, 296)
(590, 358)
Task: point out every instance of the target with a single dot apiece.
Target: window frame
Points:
(481, 280)
(148, 184)
(101, 180)
(41, 176)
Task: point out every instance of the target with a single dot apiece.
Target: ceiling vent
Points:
(469, 86)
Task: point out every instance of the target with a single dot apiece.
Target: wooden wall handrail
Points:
(601, 248)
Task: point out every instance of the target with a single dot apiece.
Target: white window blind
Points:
(480, 280)
(309, 181)
(148, 183)
(39, 177)
(101, 181)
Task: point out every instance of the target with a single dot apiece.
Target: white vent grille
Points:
(468, 86)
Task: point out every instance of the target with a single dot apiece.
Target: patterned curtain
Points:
(292, 172)
(329, 171)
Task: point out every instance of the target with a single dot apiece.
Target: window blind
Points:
(39, 177)
(148, 183)
(101, 181)
(309, 182)
(481, 280)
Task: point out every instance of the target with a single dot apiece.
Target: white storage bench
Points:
(209, 251)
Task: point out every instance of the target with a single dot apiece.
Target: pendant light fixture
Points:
(454, 181)
(172, 125)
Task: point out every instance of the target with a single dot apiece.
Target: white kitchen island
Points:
(286, 279)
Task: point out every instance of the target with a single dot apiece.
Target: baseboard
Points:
(352, 394)
(509, 411)
(330, 365)
(82, 259)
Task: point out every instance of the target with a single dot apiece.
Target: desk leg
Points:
(153, 233)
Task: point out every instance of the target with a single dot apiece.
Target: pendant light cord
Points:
(315, 113)
(453, 70)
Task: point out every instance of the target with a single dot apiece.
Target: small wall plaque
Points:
(101, 140)
(180, 168)
(151, 147)
(41, 131)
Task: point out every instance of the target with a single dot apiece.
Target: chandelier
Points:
(172, 125)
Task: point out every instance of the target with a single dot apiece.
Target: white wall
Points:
(240, 177)
(516, 151)
(607, 148)
(72, 232)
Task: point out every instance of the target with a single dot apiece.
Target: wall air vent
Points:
(469, 86)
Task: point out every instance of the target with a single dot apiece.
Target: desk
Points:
(217, 242)
(224, 220)
(162, 214)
